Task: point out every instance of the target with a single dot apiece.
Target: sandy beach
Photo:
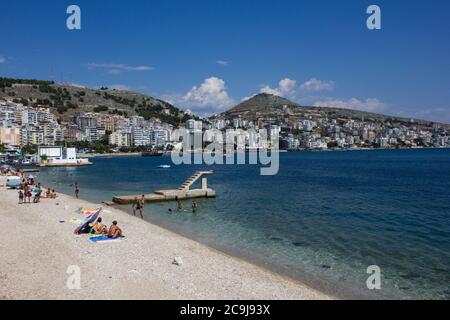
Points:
(37, 246)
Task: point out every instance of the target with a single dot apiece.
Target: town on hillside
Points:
(23, 127)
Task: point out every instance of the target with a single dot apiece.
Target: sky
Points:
(207, 55)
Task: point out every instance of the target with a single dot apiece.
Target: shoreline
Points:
(138, 154)
(144, 268)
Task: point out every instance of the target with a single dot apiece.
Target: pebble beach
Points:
(38, 250)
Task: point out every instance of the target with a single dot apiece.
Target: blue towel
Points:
(102, 239)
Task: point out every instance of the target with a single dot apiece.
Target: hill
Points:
(273, 107)
(261, 104)
(66, 99)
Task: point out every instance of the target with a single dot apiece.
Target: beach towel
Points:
(103, 239)
(87, 211)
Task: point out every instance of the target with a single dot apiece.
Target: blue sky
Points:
(208, 55)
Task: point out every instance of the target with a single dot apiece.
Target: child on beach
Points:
(21, 196)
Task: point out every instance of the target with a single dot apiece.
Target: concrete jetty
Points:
(182, 193)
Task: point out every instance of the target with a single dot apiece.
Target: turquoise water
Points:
(323, 219)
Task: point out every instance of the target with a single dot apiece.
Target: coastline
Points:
(36, 256)
(138, 154)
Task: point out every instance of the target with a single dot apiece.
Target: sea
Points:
(336, 221)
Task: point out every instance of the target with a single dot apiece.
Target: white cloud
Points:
(286, 88)
(212, 93)
(316, 85)
(209, 97)
(116, 68)
(2, 59)
(223, 62)
(269, 90)
(441, 115)
(248, 98)
(370, 104)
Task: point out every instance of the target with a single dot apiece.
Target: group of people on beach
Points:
(7, 171)
(98, 228)
(31, 192)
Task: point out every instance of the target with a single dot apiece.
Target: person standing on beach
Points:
(77, 189)
(21, 196)
(138, 206)
(27, 193)
(37, 194)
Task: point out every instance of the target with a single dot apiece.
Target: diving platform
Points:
(182, 193)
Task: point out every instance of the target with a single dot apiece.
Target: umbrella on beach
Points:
(89, 219)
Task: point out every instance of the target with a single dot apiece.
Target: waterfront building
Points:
(120, 138)
(11, 135)
(62, 156)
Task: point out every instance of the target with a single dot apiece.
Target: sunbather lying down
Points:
(114, 231)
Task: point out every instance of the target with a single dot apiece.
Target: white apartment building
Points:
(120, 139)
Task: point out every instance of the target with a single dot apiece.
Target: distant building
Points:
(60, 156)
(194, 125)
(10, 136)
(120, 139)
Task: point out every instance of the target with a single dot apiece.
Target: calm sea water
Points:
(323, 219)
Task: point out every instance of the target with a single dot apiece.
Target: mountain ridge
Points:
(269, 105)
(66, 99)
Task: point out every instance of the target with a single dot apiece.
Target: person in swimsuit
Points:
(99, 227)
(114, 231)
(77, 189)
(37, 194)
(138, 205)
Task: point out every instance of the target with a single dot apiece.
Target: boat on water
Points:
(164, 166)
(152, 153)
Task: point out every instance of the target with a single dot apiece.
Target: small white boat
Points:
(164, 166)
